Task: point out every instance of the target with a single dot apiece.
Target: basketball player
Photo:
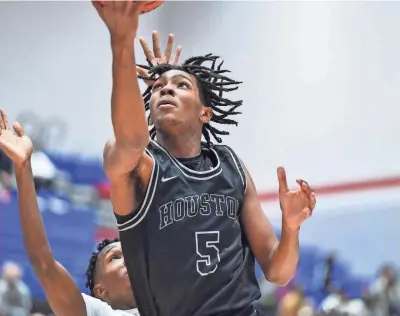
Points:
(107, 279)
(188, 212)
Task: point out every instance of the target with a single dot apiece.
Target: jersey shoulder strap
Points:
(158, 153)
(228, 154)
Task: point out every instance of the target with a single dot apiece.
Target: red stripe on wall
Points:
(346, 187)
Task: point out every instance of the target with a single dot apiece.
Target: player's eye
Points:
(157, 86)
(183, 85)
(113, 257)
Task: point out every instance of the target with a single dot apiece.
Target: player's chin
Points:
(167, 120)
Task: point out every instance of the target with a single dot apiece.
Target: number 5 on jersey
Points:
(207, 251)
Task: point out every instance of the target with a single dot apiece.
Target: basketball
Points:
(150, 6)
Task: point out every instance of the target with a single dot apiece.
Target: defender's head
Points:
(107, 276)
(185, 99)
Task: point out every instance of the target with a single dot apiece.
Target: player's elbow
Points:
(277, 274)
(279, 277)
(132, 143)
(131, 139)
(41, 264)
(279, 280)
(122, 157)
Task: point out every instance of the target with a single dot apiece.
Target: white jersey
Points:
(96, 307)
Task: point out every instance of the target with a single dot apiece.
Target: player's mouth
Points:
(166, 102)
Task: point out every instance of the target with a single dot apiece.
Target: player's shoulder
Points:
(162, 160)
(228, 156)
(219, 147)
(225, 151)
(96, 307)
(157, 152)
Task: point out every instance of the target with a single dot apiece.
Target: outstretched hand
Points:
(155, 57)
(17, 146)
(120, 17)
(296, 205)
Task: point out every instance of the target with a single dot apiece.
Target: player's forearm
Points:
(61, 290)
(34, 235)
(284, 258)
(127, 106)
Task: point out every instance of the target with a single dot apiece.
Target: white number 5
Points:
(207, 251)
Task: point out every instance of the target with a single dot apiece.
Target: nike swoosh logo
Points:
(167, 179)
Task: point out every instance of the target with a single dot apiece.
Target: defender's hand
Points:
(120, 17)
(296, 205)
(17, 146)
(155, 57)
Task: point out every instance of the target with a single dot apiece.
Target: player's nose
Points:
(167, 90)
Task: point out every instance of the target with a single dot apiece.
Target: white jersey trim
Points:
(239, 169)
(215, 171)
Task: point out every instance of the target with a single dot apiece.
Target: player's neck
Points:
(180, 146)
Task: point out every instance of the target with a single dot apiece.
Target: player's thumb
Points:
(283, 187)
(306, 213)
(18, 129)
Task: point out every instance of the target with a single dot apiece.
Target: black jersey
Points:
(185, 248)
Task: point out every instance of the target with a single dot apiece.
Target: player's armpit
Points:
(257, 227)
(61, 291)
(128, 181)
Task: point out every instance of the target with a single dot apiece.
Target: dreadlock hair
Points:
(211, 82)
(91, 269)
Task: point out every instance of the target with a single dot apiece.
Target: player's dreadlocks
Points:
(212, 84)
(91, 269)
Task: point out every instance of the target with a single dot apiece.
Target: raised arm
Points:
(126, 152)
(278, 259)
(61, 291)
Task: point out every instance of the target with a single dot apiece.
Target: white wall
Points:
(321, 82)
(321, 79)
(56, 61)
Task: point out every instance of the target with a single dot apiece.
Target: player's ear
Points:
(99, 291)
(150, 121)
(206, 115)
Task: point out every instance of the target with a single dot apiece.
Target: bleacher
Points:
(70, 230)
